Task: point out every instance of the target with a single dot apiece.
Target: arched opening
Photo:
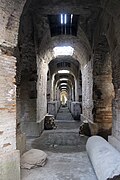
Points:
(39, 47)
(64, 78)
(63, 97)
(38, 36)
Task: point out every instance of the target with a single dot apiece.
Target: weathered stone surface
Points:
(85, 129)
(7, 104)
(100, 150)
(87, 91)
(52, 108)
(33, 158)
(76, 110)
(97, 19)
(21, 142)
(63, 166)
(10, 166)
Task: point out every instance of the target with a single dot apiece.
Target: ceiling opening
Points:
(65, 24)
(63, 71)
(63, 51)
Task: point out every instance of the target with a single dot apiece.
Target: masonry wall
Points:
(9, 156)
(27, 103)
(109, 25)
(10, 11)
(103, 90)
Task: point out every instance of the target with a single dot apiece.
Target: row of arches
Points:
(96, 58)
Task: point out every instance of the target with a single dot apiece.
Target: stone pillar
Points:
(76, 90)
(9, 156)
(87, 92)
(58, 94)
(53, 107)
(76, 110)
(72, 97)
(52, 87)
(41, 90)
(69, 105)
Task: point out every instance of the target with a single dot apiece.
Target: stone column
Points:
(41, 91)
(87, 92)
(76, 90)
(72, 97)
(76, 110)
(52, 87)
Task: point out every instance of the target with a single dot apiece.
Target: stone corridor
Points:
(67, 156)
(60, 59)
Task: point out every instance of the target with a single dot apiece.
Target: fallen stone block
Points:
(104, 158)
(33, 158)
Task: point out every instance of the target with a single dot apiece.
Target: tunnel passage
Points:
(64, 88)
(27, 44)
(42, 62)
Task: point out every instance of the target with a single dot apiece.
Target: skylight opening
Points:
(65, 19)
(63, 79)
(63, 72)
(61, 18)
(63, 51)
(63, 84)
(71, 18)
(64, 88)
(63, 24)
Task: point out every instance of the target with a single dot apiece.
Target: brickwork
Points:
(7, 103)
(109, 25)
(34, 38)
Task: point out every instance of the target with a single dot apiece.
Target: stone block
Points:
(33, 158)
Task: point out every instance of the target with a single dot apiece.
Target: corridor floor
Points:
(67, 157)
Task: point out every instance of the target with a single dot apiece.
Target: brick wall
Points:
(7, 103)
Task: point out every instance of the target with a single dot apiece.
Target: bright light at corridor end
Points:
(63, 71)
(63, 51)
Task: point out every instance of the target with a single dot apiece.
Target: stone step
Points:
(67, 124)
(60, 141)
